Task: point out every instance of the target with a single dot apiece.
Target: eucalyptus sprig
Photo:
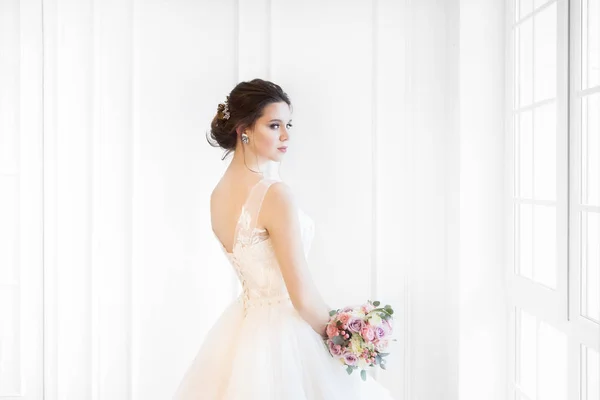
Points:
(384, 312)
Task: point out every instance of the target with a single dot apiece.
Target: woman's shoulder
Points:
(279, 197)
(216, 192)
(279, 207)
(278, 191)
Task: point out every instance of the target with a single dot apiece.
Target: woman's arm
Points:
(280, 218)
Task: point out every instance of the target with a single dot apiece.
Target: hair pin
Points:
(226, 111)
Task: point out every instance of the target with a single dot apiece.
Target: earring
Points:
(245, 138)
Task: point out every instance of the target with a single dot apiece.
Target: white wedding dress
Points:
(260, 348)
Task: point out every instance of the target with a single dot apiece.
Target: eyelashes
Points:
(276, 126)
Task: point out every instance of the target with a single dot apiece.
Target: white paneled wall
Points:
(482, 299)
(68, 190)
(184, 63)
(118, 162)
(21, 185)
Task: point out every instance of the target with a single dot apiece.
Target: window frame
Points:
(561, 307)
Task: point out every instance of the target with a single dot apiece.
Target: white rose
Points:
(375, 320)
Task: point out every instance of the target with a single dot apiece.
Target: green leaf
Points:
(332, 313)
(349, 370)
(377, 359)
(383, 355)
(382, 366)
(384, 311)
(376, 303)
(363, 375)
(338, 340)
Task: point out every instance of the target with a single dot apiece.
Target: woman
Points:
(268, 344)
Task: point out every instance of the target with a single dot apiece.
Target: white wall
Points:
(21, 205)
(87, 194)
(483, 324)
(133, 277)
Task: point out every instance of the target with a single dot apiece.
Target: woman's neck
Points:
(252, 166)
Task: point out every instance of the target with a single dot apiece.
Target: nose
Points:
(285, 135)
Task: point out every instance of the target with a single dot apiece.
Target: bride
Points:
(267, 344)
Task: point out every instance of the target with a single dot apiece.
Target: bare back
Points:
(226, 202)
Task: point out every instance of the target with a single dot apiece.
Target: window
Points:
(554, 175)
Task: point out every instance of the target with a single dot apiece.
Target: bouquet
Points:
(359, 336)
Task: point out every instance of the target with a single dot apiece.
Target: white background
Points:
(110, 276)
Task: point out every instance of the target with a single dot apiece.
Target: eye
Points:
(276, 126)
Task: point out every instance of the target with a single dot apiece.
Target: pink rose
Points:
(344, 318)
(350, 358)
(367, 308)
(335, 349)
(367, 333)
(331, 330)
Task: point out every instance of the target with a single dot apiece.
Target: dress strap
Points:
(248, 220)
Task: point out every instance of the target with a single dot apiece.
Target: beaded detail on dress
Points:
(253, 257)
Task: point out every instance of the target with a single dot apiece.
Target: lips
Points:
(282, 149)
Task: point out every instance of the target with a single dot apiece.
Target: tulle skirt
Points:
(270, 353)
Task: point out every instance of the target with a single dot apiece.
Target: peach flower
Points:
(331, 330)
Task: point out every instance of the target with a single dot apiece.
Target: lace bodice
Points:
(253, 257)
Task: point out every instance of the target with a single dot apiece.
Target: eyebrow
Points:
(278, 120)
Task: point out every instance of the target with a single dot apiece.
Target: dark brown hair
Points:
(246, 104)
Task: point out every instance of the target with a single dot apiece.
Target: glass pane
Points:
(525, 62)
(545, 53)
(590, 268)
(526, 155)
(525, 7)
(538, 3)
(527, 354)
(590, 43)
(544, 245)
(526, 240)
(552, 363)
(545, 153)
(590, 149)
(590, 363)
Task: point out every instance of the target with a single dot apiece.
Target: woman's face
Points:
(269, 138)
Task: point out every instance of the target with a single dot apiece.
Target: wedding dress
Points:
(260, 348)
